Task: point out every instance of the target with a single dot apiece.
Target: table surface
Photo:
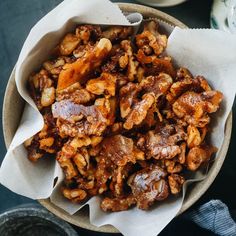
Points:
(16, 19)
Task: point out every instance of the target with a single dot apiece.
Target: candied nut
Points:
(165, 152)
(104, 107)
(88, 183)
(157, 42)
(132, 64)
(123, 61)
(112, 110)
(139, 155)
(152, 26)
(141, 143)
(117, 204)
(140, 73)
(181, 156)
(67, 129)
(173, 166)
(179, 87)
(128, 95)
(48, 96)
(185, 82)
(161, 65)
(194, 138)
(82, 128)
(147, 49)
(33, 155)
(70, 89)
(77, 71)
(115, 33)
(119, 175)
(44, 132)
(117, 62)
(108, 169)
(80, 142)
(105, 84)
(139, 112)
(41, 80)
(95, 122)
(88, 33)
(117, 128)
(67, 165)
(148, 185)
(94, 151)
(158, 85)
(93, 191)
(68, 44)
(183, 73)
(212, 100)
(104, 170)
(198, 155)
(54, 67)
(68, 150)
(95, 140)
(175, 182)
(150, 119)
(83, 32)
(102, 189)
(75, 195)
(203, 83)
(46, 142)
(119, 149)
(38, 146)
(153, 65)
(163, 142)
(121, 80)
(81, 160)
(81, 50)
(144, 59)
(75, 93)
(193, 107)
(49, 131)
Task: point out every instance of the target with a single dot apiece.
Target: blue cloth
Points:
(214, 216)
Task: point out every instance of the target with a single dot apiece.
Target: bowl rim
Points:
(161, 4)
(33, 210)
(127, 7)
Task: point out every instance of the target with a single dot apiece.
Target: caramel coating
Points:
(120, 119)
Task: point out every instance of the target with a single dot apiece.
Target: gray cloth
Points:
(214, 216)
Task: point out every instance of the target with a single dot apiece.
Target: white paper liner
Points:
(205, 52)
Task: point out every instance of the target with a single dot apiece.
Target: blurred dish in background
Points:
(232, 16)
(161, 3)
(32, 219)
(223, 15)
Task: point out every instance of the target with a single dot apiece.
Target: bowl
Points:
(161, 3)
(13, 104)
(32, 219)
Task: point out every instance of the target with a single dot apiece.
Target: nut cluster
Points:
(120, 119)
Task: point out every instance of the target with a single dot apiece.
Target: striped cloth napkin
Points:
(215, 217)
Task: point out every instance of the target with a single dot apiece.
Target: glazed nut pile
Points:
(120, 119)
